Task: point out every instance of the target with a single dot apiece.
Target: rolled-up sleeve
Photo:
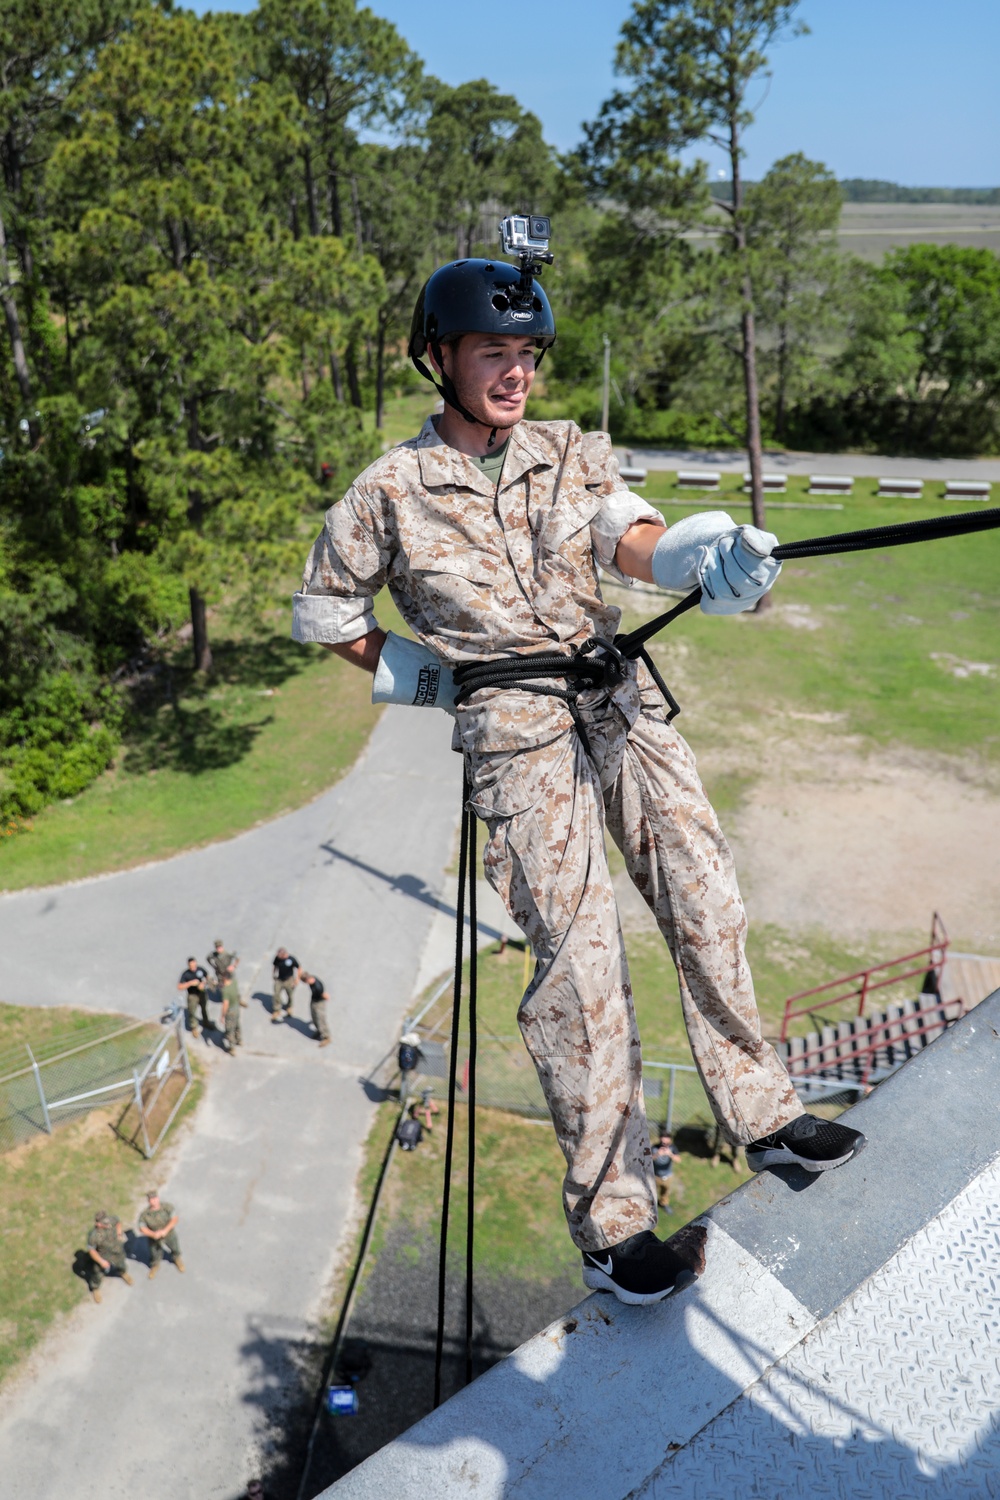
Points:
(620, 510)
(345, 569)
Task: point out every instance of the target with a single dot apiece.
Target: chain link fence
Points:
(108, 1061)
(506, 1079)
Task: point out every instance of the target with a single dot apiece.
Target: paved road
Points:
(174, 1389)
(861, 465)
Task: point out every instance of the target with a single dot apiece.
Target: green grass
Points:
(890, 629)
(50, 1189)
(204, 758)
(520, 1227)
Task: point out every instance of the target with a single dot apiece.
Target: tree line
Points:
(212, 234)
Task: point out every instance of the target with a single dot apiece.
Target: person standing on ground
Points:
(221, 960)
(193, 980)
(231, 1011)
(285, 973)
(317, 1007)
(488, 531)
(664, 1157)
(106, 1249)
(158, 1222)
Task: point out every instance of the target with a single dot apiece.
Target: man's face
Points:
(192, 964)
(282, 952)
(153, 1200)
(492, 374)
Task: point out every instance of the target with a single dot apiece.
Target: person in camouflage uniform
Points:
(221, 961)
(231, 1011)
(491, 553)
(158, 1222)
(105, 1252)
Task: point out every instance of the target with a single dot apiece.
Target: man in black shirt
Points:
(317, 1007)
(193, 980)
(285, 972)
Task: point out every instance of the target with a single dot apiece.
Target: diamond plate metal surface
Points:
(896, 1395)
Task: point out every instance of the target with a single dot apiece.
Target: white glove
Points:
(679, 551)
(737, 570)
(408, 672)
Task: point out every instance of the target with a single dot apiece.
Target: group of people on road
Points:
(287, 973)
(196, 982)
(220, 978)
(106, 1242)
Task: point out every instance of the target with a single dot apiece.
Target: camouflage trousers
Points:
(156, 1247)
(96, 1273)
(234, 1031)
(546, 810)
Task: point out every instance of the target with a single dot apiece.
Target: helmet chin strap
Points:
(446, 390)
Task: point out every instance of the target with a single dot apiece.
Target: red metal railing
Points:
(864, 983)
(856, 1055)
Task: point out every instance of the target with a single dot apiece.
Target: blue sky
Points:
(900, 89)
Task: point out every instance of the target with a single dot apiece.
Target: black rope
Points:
(471, 1097)
(936, 528)
(463, 862)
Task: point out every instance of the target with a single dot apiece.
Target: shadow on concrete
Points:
(413, 886)
(392, 1337)
(284, 1365)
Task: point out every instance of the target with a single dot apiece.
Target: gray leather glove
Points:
(680, 550)
(737, 570)
(408, 672)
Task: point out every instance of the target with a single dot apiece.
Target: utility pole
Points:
(606, 398)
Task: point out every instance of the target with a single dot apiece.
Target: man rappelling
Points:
(489, 532)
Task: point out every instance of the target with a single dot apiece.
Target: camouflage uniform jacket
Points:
(104, 1239)
(219, 963)
(476, 569)
(157, 1218)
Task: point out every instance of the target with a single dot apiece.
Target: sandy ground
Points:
(868, 844)
(863, 846)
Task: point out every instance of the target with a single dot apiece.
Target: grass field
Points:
(900, 646)
(51, 1187)
(207, 757)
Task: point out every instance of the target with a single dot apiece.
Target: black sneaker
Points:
(807, 1142)
(641, 1269)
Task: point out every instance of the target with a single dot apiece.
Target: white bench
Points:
(694, 479)
(967, 489)
(632, 475)
(830, 484)
(774, 484)
(912, 487)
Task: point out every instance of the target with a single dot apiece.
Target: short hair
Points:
(152, 1192)
(192, 959)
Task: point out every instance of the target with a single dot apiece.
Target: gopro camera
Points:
(526, 235)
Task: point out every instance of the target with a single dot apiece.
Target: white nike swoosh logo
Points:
(606, 1269)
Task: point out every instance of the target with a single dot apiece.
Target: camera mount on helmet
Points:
(485, 296)
(527, 237)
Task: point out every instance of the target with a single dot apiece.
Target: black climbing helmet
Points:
(477, 296)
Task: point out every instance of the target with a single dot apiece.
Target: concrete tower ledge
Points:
(843, 1340)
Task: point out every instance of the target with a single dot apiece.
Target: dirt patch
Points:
(863, 844)
(860, 844)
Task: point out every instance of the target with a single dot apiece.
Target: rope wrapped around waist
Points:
(596, 664)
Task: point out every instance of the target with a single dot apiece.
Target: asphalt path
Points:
(177, 1387)
(860, 465)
